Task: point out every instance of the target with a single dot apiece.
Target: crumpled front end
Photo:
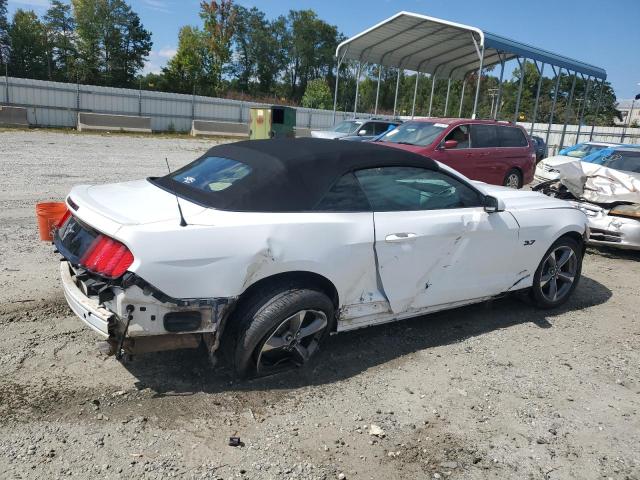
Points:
(613, 227)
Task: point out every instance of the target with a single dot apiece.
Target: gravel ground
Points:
(490, 391)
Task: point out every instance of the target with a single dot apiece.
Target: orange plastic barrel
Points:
(49, 214)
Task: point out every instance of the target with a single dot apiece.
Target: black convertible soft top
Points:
(289, 175)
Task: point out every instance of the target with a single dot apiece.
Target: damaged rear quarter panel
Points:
(220, 254)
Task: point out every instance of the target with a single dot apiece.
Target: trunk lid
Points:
(107, 207)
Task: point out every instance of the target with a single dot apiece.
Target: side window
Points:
(366, 129)
(383, 127)
(410, 188)
(461, 135)
(512, 137)
(344, 196)
(483, 136)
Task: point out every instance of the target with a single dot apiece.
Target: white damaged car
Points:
(264, 248)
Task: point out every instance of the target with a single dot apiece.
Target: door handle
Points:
(400, 237)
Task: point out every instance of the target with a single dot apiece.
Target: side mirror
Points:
(450, 144)
(362, 132)
(492, 204)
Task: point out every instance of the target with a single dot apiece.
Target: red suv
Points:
(493, 152)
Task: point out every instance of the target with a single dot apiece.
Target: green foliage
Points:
(60, 28)
(260, 51)
(111, 41)
(189, 69)
(317, 95)
(28, 54)
(219, 22)
(310, 46)
(4, 34)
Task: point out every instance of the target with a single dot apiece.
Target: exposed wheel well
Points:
(298, 278)
(578, 237)
(517, 169)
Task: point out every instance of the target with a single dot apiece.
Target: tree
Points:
(4, 36)
(259, 49)
(311, 44)
(219, 22)
(28, 55)
(112, 43)
(60, 27)
(317, 95)
(188, 67)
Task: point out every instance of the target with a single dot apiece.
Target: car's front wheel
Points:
(558, 273)
(279, 329)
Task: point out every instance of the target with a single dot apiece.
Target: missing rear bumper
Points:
(143, 320)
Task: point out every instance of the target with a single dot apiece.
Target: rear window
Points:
(511, 137)
(211, 174)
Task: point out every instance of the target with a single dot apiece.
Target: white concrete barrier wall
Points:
(13, 116)
(114, 123)
(227, 129)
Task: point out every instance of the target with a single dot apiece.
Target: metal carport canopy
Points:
(431, 45)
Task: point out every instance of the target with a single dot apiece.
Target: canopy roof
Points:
(430, 45)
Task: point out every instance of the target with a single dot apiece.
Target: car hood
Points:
(402, 146)
(557, 160)
(599, 184)
(330, 134)
(128, 203)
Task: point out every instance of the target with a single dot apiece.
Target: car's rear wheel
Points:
(513, 179)
(280, 329)
(558, 273)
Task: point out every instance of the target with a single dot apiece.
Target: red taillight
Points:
(63, 219)
(107, 257)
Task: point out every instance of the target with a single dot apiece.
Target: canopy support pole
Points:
(522, 66)
(535, 105)
(355, 103)
(395, 100)
(335, 93)
(595, 116)
(464, 83)
(567, 111)
(553, 103)
(499, 97)
(433, 86)
(584, 107)
(415, 94)
(446, 101)
(375, 111)
(480, 53)
(628, 123)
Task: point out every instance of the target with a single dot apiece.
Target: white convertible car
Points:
(264, 248)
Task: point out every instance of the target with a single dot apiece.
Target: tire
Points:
(270, 315)
(546, 276)
(513, 179)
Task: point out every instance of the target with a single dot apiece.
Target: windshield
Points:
(581, 150)
(414, 133)
(211, 174)
(347, 126)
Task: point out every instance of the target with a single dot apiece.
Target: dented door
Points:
(435, 257)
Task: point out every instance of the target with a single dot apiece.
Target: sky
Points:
(605, 33)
